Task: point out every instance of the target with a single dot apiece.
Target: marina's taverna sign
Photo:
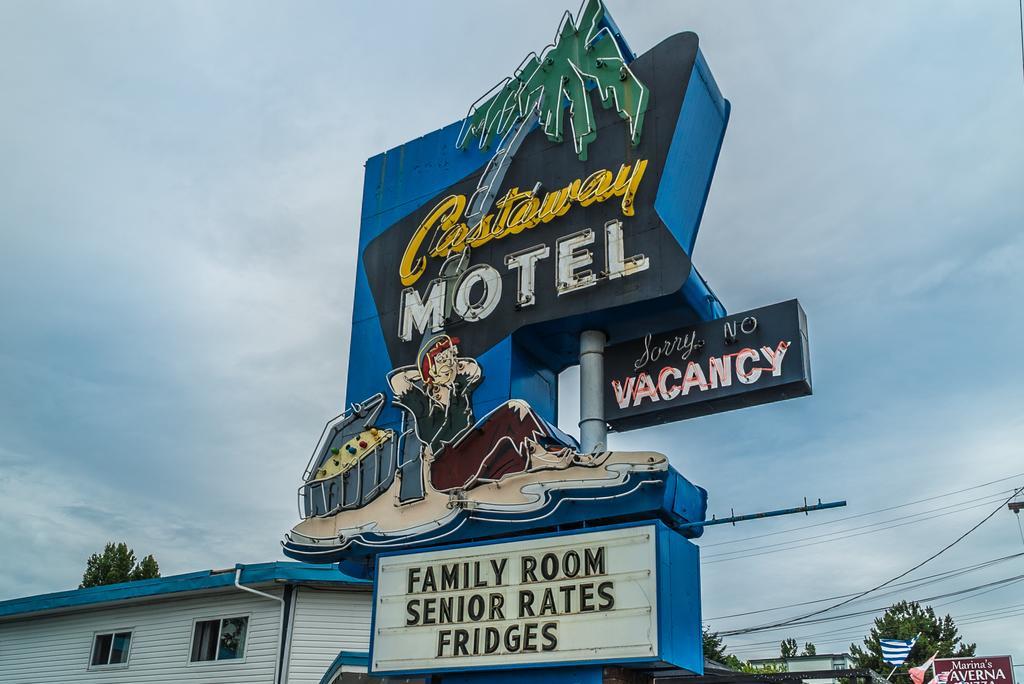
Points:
(562, 209)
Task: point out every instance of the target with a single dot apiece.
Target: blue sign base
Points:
(664, 495)
(557, 675)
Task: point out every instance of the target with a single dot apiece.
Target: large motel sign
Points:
(565, 203)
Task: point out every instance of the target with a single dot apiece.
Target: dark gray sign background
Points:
(666, 70)
(783, 321)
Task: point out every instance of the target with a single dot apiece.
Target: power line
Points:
(841, 633)
(966, 505)
(803, 618)
(858, 633)
(793, 544)
(875, 609)
(854, 631)
(1006, 581)
(1020, 8)
(861, 515)
(981, 593)
(991, 619)
(816, 636)
(915, 584)
(978, 613)
(1001, 583)
(992, 497)
(852, 634)
(942, 576)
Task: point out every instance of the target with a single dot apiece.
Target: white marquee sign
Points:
(567, 598)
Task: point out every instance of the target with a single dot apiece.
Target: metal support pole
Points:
(757, 516)
(593, 429)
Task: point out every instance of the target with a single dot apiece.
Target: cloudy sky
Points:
(180, 196)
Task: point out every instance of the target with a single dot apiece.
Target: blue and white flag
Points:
(896, 651)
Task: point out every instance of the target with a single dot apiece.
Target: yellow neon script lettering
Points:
(443, 217)
(516, 211)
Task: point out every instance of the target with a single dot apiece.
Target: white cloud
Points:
(181, 197)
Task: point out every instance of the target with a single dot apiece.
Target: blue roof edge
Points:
(350, 658)
(287, 572)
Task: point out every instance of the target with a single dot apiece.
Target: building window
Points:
(110, 648)
(221, 639)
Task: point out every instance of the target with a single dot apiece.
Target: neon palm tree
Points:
(584, 53)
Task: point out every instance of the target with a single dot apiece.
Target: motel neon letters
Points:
(573, 272)
(517, 211)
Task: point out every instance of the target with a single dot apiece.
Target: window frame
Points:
(108, 665)
(220, 626)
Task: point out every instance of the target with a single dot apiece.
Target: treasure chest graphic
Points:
(354, 462)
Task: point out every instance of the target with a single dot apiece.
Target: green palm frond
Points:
(584, 54)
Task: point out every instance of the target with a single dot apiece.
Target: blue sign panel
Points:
(530, 333)
(568, 199)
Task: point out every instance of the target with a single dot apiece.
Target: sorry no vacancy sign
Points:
(745, 359)
(566, 598)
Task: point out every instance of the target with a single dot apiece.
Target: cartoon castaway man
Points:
(460, 452)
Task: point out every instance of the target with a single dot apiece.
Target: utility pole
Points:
(1016, 507)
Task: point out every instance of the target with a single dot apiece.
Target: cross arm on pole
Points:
(766, 514)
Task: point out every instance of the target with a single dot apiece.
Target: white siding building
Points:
(821, 662)
(268, 623)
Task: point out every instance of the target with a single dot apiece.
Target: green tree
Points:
(905, 620)
(714, 647)
(810, 649)
(788, 648)
(148, 568)
(116, 564)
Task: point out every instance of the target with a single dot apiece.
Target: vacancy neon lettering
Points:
(671, 382)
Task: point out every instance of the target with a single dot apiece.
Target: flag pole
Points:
(891, 673)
